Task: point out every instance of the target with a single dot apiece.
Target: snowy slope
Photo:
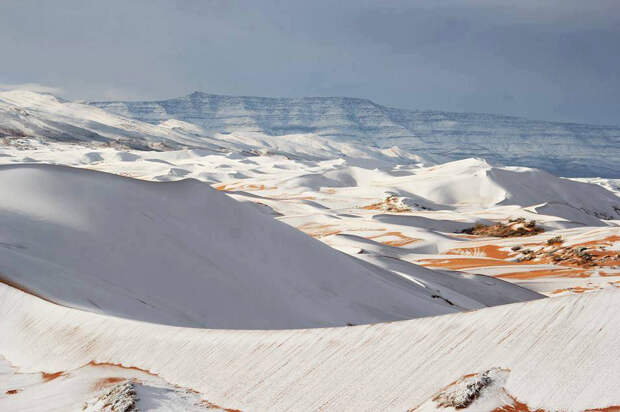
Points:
(28, 114)
(475, 183)
(555, 354)
(185, 254)
(564, 149)
(49, 119)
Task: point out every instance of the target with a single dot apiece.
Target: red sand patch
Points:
(532, 274)
(318, 231)
(516, 406)
(374, 206)
(562, 256)
(612, 257)
(466, 263)
(248, 187)
(403, 240)
(105, 382)
(118, 365)
(51, 376)
(474, 262)
(608, 241)
(210, 405)
(390, 204)
(576, 289)
(258, 187)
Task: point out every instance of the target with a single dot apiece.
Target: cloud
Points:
(33, 87)
(556, 58)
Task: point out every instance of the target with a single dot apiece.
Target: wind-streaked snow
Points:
(558, 351)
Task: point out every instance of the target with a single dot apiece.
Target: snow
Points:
(125, 268)
(317, 127)
(29, 114)
(335, 214)
(90, 387)
(467, 391)
(561, 148)
(558, 352)
(185, 254)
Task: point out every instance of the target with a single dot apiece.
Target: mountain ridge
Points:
(318, 127)
(353, 99)
(360, 99)
(567, 149)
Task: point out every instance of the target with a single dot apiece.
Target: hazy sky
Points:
(551, 59)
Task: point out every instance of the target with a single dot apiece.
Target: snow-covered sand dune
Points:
(98, 256)
(555, 354)
(183, 253)
(387, 207)
(466, 184)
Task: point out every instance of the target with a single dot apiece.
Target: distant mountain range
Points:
(565, 149)
(317, 127)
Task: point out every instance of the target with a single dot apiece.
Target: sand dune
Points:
(546, 347)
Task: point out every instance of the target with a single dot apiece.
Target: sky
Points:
(552, 60)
